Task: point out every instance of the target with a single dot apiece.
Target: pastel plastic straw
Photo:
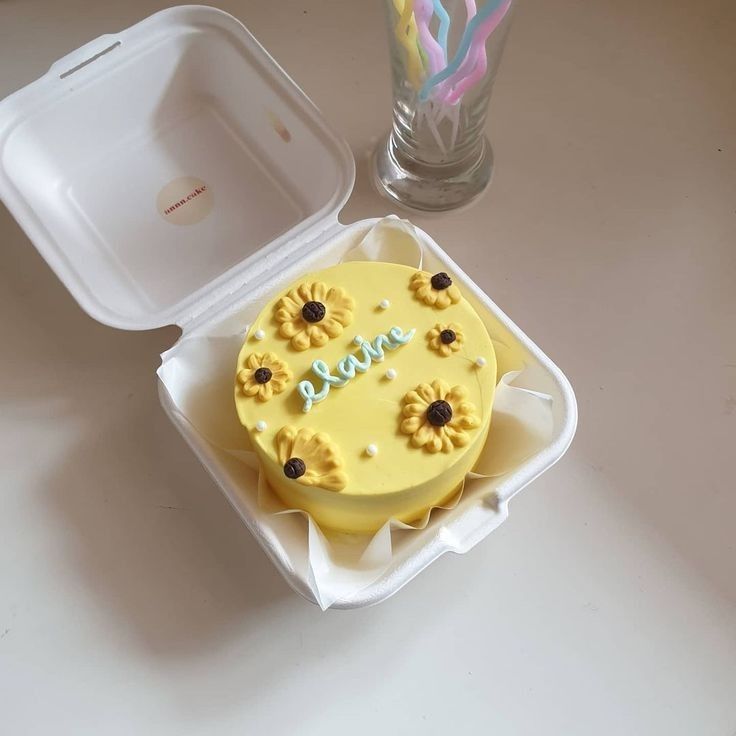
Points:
(423, 56)
(426, 113)
(468, 39)
(455, 118)
(477, 58)
(444, 28)
(444, 88)
(444, 91)
(406, 35)
(423, 12)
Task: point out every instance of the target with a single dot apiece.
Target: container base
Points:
(429, 188)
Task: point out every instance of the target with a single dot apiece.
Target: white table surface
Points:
(132, 599)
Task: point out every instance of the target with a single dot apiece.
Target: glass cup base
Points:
(430, 188)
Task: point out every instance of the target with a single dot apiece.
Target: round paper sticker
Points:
(184, 201)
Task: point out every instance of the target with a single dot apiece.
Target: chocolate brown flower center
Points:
(263, 375)
(313, 312)
(439, 413)
(441, 281)
(448, 337)
(294, 468)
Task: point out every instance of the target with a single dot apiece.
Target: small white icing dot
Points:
(384, 304)
(259, 334)
(371, 450)
(246, 330)
(390, 374)
(261, 426)
(358, 340)
(480, 362)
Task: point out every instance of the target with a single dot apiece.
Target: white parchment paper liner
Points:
(198, 373)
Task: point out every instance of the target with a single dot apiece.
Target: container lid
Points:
(164, 165)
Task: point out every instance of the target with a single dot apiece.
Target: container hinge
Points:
(221, 297)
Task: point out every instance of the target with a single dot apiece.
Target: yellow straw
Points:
(406, 35)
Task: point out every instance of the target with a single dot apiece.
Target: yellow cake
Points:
(366, 390)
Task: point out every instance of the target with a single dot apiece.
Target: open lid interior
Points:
(159, 166)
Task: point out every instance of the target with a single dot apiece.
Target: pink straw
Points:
(423, 11)
(476, 60)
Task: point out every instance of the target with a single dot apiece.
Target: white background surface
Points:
(133, 601)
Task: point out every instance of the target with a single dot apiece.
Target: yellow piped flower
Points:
(273, 373)
(320, 456)
(436, 341)
(421, 284)
(434, 438)
(338, 308)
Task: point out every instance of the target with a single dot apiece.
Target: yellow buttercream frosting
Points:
(387, 438)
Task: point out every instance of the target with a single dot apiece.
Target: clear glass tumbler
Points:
(436, 156)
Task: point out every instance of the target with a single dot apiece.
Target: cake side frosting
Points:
(366, 389)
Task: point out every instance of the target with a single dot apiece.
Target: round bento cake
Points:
(366, 390)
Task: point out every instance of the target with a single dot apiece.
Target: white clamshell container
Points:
(173, 172)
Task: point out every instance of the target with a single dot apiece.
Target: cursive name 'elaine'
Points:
(370, 352)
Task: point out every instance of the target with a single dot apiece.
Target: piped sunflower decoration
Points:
(264, 375)
(310, 458)
(435, 290)
(446, 339)
(312, 314)
(437, 416)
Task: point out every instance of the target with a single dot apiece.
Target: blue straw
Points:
(462, 49)
(444, 28)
